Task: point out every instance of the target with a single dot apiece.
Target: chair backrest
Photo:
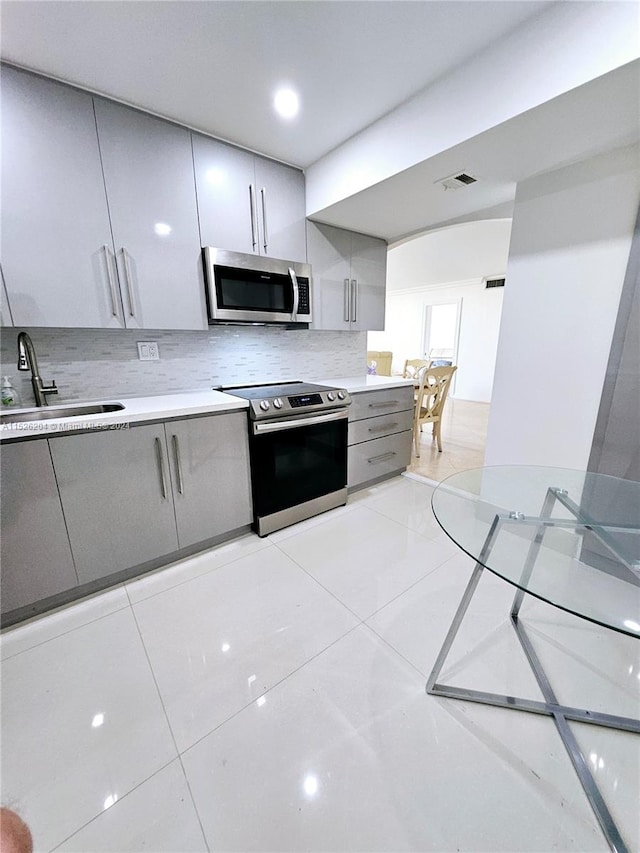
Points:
(383, 359)
(432, 393)
(413, 366)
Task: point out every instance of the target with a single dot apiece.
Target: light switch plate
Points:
(148, 351)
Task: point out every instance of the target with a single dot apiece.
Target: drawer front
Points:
(369, 404)
(380, 426)
(379, 457)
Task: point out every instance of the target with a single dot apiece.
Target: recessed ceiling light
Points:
(286, 103)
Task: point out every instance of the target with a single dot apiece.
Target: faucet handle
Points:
(51, 388)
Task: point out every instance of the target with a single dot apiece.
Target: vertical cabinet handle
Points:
(263, 195)
(112, 284)
(347, 299)
(354, 300)
(163, 477)
(127, 278)
(178, 463)
(252, 208)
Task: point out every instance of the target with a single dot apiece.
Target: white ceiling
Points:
(589, 120)
(214, 65)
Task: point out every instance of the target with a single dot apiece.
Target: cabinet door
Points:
(116, 496)
(281, 210)
(148, 174)
(55, 221)
(369, 270)
(224, 175)
(329, 253)
(210, 475)
(5, 309)
(36, 558)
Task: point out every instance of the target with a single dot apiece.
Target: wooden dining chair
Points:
(413, 366)
(383, 359)
(430, 399)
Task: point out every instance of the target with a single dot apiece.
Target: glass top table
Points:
(569, 538)
(588, 559)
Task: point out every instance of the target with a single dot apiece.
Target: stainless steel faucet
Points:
(27, 360)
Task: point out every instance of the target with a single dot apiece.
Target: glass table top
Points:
(571, 538)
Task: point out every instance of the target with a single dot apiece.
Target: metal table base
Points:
(550, 706)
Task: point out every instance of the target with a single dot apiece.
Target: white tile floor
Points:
(269, 696)
(464, 436)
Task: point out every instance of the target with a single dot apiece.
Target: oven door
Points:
(298, 468)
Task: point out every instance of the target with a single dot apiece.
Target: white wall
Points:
(567, 45)
(478, 341)
(447, 266)
(570, 244)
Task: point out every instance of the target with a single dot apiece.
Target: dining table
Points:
(568, 538)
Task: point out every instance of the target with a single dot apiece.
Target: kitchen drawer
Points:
(369, 404)
(378, 458)
(378, 427)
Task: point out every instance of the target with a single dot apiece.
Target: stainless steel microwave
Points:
(252, 289)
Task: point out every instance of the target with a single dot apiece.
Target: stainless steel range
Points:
(298, 451)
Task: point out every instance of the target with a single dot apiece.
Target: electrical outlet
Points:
(148, 351)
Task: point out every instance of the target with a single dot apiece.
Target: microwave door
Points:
(296, 294)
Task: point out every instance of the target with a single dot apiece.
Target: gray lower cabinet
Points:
(116, 496)
(78, 508)
(248, 203)
(209, 460)
(35, 556)
(380, 433)
(349, 278)
(131, 496)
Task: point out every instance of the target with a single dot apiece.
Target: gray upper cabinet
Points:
(349, 278)
(55, 224)
(148, 174)
(248, 203)
(210, 475)
(225, 186)
(281, 210)
(5, 309)
(116, 496)
(369, 272)
(35, 557)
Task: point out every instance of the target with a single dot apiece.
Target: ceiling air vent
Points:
(494, 282)
(457, 180)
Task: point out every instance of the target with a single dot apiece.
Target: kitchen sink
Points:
(47, 412)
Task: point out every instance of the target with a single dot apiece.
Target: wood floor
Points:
(464, 432)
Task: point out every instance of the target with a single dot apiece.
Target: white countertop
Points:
(366, 382)
(164, 407)
(136, 410)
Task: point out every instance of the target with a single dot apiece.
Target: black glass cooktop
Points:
(261, 392)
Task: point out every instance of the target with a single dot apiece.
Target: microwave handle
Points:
(296, 294)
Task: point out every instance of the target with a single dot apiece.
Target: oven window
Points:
(298, 465)
(249, 290)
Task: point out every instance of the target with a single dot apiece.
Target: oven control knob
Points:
(264, 405)
(331, 396)
(341, 395)
(277, 403)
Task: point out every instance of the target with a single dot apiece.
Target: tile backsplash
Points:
(94, 363)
